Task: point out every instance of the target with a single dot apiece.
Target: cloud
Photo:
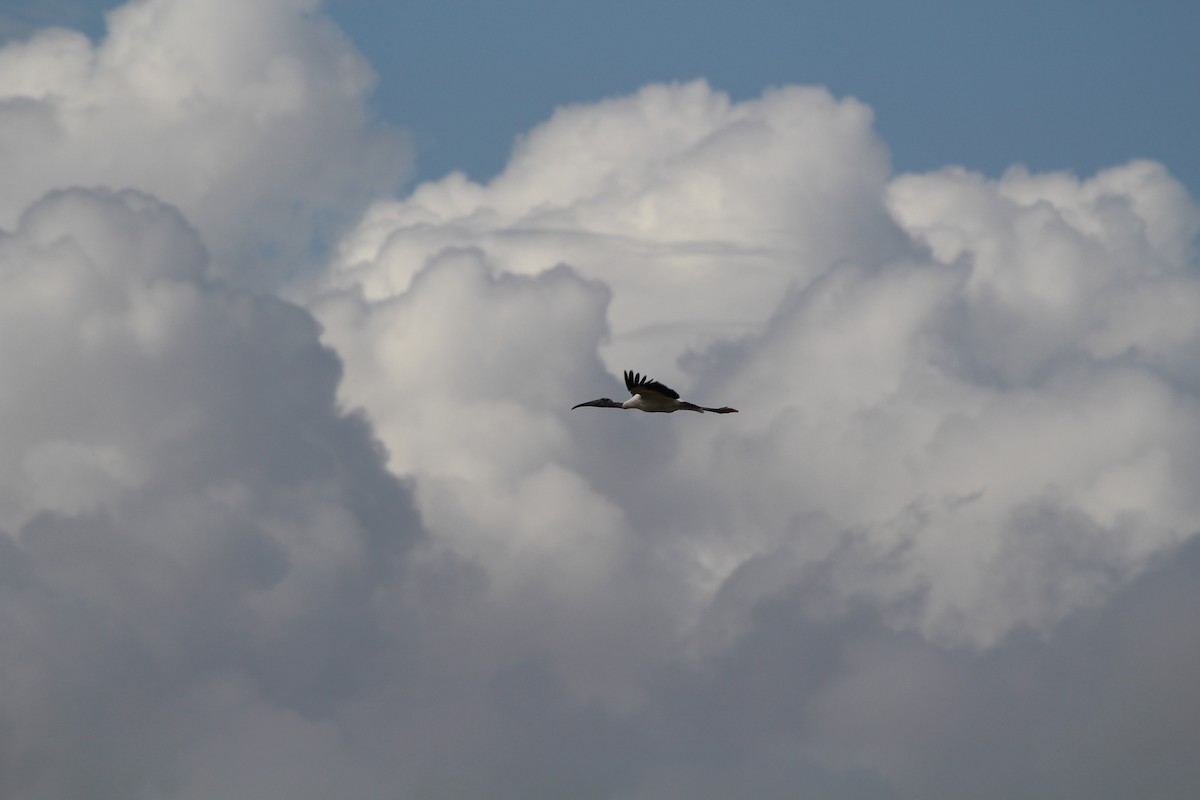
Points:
(175, 549)
(655, 194)
(249, 117)
(969, 420)
(354, 543)
(954, 363)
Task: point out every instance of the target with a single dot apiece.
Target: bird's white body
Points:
(654, 402)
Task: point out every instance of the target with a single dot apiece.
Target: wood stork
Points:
(650, 395)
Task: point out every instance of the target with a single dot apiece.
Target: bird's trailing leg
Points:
(683, 404)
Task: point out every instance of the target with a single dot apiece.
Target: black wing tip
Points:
(635, 381)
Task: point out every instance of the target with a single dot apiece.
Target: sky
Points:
(1065, 85)
(297, 299)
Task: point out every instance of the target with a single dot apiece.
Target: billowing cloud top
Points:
(657, 195)
(250, 117)
(936, 363)
(353, 543)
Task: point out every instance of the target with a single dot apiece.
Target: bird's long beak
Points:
(603, 402)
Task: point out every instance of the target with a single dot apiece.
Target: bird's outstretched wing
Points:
(635, 383)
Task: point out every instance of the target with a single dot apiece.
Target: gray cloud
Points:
(171, 540)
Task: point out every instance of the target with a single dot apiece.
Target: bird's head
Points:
(603, 402)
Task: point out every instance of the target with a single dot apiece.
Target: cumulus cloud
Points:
(354, 543)
(955, 362)
(186, 512)
(249, 117)
(657, 193)
(969, 418)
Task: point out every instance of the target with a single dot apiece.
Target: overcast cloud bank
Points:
(353, 543)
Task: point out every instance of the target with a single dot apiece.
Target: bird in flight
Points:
(650, 395)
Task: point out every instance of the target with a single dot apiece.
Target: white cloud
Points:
(932, 390)
(250, 117)
(701, 211)
(968, 411)
(947, 548)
